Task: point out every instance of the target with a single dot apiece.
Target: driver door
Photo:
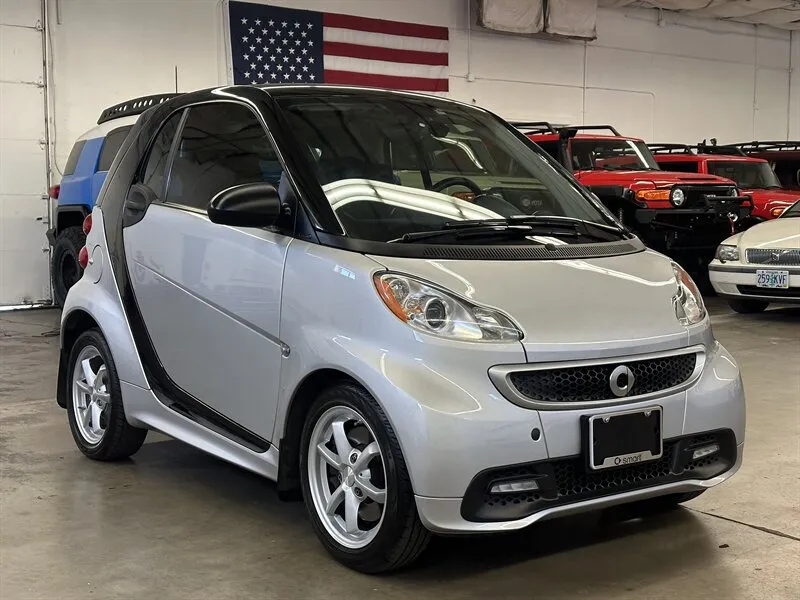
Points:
(210, 295)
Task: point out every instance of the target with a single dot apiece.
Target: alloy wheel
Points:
(347, 478)
(91, 400)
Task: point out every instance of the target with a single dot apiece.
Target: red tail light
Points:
(54, 191)
(83, 257)
(87, 224)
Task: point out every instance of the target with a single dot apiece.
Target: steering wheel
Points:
(451, 181)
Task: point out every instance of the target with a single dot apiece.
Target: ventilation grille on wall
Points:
(575, 19)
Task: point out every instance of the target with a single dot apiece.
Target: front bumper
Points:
(444, 515)
(738, 280)
(714, 403)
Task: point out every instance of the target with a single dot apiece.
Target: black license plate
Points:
(624, 438)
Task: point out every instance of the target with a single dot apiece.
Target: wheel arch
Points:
(302, 398)
(69, 215)
(73, 325)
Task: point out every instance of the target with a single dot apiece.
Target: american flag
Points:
(276, 45)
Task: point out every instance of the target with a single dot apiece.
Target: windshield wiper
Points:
(516, 226)
(560, 220)
(488, 229)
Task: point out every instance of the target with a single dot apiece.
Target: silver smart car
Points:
(395, 305)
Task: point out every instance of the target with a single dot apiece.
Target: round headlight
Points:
(678, 197)
(435, 313)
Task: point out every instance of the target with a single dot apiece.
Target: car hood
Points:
(569, 308)
(657, 178)
(781, 195)
(777, 233)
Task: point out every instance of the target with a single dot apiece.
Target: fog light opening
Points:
(704, 451)
(511, 487)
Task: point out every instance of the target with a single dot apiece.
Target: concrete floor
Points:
(174, 523)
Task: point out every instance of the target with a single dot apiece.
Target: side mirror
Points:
(246, 205)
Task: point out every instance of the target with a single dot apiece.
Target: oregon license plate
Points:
(771, 278)
(625, 438)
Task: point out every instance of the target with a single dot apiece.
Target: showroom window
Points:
(221, 145)
(155, 168)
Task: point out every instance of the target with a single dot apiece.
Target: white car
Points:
(760, 265)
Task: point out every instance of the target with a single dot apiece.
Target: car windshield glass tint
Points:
(611, 155)
(391, 166)
(747, 175)
(792, 211)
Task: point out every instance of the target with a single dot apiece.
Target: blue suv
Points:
(84, 175)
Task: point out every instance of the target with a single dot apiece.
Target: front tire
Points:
(64, 268)
(94, 402)
(356, 485)
(747, 307)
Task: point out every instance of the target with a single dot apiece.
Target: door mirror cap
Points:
(246, 205)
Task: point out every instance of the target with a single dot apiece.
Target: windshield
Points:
(612, 155)
(392, 166)
(792, 211)
(748, 175)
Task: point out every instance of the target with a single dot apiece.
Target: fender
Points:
(66, 216)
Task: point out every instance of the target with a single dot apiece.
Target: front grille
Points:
(765, 256)
(698, 195)
(751, 290)
(592, 383)
(568, 480)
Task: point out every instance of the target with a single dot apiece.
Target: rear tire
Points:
(64, 268)
(393, 535)
(747, 307)
(94, 402)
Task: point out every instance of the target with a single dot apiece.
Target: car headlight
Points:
(432, 310)
(726, 252)
(677, 197)
(689, 307)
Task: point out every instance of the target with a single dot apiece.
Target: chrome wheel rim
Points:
(91, 400)
(347, 478)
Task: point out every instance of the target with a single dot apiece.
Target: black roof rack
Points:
(135, 106)
(670, 149)
(594, 128)
(534, 126)
(769, 146)
(713, 148)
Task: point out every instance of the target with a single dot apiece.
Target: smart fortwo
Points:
(397, 306)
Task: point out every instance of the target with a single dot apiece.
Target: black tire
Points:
(64, 268)
(120, 439)
(747, 307)
(402, 537)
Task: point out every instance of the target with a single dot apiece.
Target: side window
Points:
(74, 155)
(680, 167)
(221, 145)
(156, 166)
(551, 148)
(111, 146)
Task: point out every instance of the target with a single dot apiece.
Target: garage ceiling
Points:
(784, 14)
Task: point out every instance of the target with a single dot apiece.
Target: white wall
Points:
(683, 80)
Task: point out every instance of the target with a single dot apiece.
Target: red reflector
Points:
(53, 191)
(83, 257)
(87, 224)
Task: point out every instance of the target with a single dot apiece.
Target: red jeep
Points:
(681, 214)
(753, 175)
(783, 157)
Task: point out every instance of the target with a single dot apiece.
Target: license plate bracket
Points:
(624, 438)
(772, 278)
